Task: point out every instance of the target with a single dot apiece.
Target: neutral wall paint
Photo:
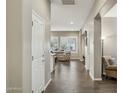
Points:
(14, 46)
(26, 46)
(18, 47)
(42, 8)
(89, 49)
(81, 46)
(97, 47)
(69, 33)
(109, 31)
(100, 6)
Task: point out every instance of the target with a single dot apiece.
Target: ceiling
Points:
(69, 16)
(109, 22)
(112, 12)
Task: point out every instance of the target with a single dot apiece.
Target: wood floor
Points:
(73, 78)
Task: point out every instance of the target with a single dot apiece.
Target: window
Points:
(54, 43)
(68, 43)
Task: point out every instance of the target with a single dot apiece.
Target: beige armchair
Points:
(63, 57)
(109, 69)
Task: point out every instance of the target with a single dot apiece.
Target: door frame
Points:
(42, 21)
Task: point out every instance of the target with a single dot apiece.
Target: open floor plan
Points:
(72, 77)
(61, 46)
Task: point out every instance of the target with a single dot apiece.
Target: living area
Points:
(62, 46)
(109, 43)
(84, 44)
(65, 42)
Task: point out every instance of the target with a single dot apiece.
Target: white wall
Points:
(109, 31)
(81, 46)
(19, 29)
(18, 46)
(100, 6)
(14, 47)
(83, 42)
(26, 45)
(89, 49)
(97, 48)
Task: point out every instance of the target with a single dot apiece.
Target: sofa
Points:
(109, 68)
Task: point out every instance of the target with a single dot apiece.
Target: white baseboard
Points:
(75, 58)
(81, 60)
(14, 90)
(98, 79)
(95, 79)
(91, 76)
(47, 84)
(86, 67)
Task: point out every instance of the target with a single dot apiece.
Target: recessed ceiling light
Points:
(71, 22)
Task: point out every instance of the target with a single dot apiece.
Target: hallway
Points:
(73, 78)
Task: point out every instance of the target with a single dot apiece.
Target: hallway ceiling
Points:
(110, 15)
(69, 17)
(112, 12)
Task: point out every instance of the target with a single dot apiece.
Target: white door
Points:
(38, 64)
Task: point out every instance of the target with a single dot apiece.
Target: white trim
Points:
(98, 79)
(81, 59)
(95, 79)
(47, 84)
(75, 58)
(86, 67)
(91, 75)
(37, 16)
(14, 89)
